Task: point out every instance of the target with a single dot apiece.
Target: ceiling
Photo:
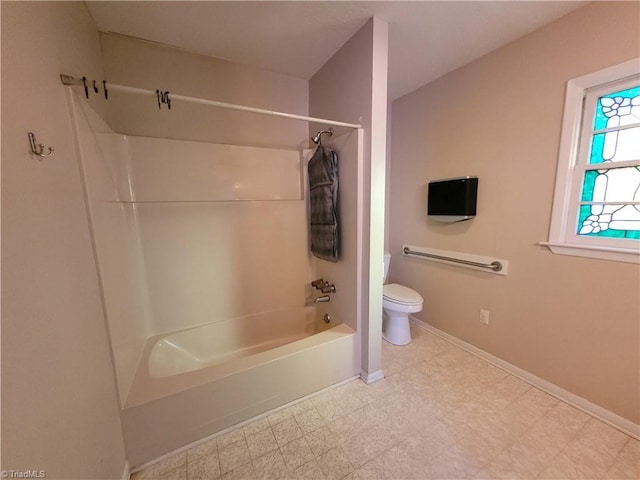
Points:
(426, 38)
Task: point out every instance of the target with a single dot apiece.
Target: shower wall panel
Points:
(104, 159)
(173, 170)
(223, 230)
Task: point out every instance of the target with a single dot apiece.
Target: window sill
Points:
(627, 255)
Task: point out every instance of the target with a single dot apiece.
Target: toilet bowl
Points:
(398, 302)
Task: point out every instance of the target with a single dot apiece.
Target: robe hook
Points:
(38, 149)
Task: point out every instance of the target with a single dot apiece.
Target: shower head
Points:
(317, 138)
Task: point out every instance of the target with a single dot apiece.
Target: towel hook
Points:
(38, 149)
(317, 138)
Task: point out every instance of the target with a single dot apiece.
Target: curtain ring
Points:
(86, 89)
(104, 87)
(163, 97)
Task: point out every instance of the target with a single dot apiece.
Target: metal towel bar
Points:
(495, 265)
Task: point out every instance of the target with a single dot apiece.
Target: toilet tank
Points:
(387, 259)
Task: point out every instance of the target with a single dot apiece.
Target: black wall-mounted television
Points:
(453, 199)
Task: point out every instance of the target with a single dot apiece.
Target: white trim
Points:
(626, 255)
(371, 377)
(373, 241)
(609, 203)
(562, 237)
(568, 150)
(607, 416)
(622, 71)
(616, 129)
(607, 165)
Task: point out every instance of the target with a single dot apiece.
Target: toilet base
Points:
(395, 328)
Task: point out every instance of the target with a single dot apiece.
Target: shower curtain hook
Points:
(86, 89)
(163, 97)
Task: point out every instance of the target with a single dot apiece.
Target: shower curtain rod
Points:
(70, 81)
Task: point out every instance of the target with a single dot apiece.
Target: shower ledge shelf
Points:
(209, 201)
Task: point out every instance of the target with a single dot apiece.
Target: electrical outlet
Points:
(484, 316)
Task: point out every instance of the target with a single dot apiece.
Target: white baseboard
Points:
(127, 471)
(371, 377)
(616, 421)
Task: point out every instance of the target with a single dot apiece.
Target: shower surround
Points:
(197, 245)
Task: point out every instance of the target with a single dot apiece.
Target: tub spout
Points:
(321, 299)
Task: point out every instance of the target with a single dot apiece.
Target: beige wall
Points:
(151, 66)
(59, 403)
(571, 321)
(352, 87)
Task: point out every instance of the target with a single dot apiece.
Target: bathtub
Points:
(221, 342)
(196, 382)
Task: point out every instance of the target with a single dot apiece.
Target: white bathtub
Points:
(193, 383)
(221, 342)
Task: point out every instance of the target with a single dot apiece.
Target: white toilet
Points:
(398, 302)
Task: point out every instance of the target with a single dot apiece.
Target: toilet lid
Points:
(401, 294)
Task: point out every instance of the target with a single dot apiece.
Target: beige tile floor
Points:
(440, 413)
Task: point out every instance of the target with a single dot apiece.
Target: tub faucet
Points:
(328, 288)
(322, 299)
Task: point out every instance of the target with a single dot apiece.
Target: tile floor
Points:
(440, 413)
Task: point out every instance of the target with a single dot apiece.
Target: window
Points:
(596, 211)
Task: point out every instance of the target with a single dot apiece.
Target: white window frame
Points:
(563, 238)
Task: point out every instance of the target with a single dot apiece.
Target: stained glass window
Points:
(610, 199)
(596, 203)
